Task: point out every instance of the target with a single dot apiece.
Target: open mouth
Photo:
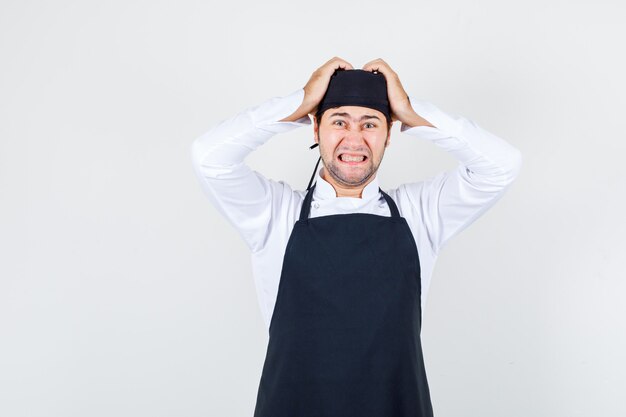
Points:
(352, 159)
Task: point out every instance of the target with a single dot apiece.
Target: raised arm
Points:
(452, 200)
(240, 194)
(243, 196)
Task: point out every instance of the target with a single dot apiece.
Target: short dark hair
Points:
(319, 114)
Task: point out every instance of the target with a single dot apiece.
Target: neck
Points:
(345, 191)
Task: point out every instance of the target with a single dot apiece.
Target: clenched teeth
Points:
(349, 158)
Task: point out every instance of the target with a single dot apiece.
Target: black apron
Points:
(344, 338)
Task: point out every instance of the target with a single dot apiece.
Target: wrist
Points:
(298, 114)
(412, 119)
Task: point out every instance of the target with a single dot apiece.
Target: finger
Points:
(376, 69)
(379, 65)
(349, 66)
(368, 66)
(373, 64)
(342, 63)
(332, 65)
(345, 66)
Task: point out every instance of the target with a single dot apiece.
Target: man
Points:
(342, 269)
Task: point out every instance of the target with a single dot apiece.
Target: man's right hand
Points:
(315, 88)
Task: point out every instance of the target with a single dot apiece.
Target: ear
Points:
(388, 140)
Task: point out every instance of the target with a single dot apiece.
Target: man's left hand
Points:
(401, 108)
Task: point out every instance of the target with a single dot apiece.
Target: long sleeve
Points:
(240, 194)
(452, 200)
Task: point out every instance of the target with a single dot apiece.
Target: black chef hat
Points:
(356, 87)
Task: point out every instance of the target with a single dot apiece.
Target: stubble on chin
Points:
(333, 170)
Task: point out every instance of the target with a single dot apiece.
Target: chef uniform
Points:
(344, 338)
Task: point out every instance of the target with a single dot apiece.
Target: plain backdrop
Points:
(124, 293)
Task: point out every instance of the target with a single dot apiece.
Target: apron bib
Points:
(344, 337)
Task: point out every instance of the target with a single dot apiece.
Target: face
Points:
(352, 141)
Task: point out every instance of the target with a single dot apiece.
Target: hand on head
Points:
(316, 87)
(398, 98)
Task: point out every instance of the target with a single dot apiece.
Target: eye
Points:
(372, 125)
(338, 121)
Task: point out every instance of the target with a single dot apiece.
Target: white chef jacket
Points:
(264, 211)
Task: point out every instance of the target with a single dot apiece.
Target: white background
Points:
(124, 293)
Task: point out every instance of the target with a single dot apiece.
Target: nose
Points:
(353, 136)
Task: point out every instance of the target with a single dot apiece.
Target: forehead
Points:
(354, 112)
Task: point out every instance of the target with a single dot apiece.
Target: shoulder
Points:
(408, 196)
(413, 201)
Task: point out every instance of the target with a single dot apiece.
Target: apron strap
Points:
(306, 205)
(392, 204)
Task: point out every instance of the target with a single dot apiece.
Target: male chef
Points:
(342, 268)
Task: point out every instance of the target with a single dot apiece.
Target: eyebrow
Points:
(364, 117)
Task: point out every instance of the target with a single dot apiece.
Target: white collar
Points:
(325, 191)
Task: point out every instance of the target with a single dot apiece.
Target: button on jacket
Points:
(264, 211)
